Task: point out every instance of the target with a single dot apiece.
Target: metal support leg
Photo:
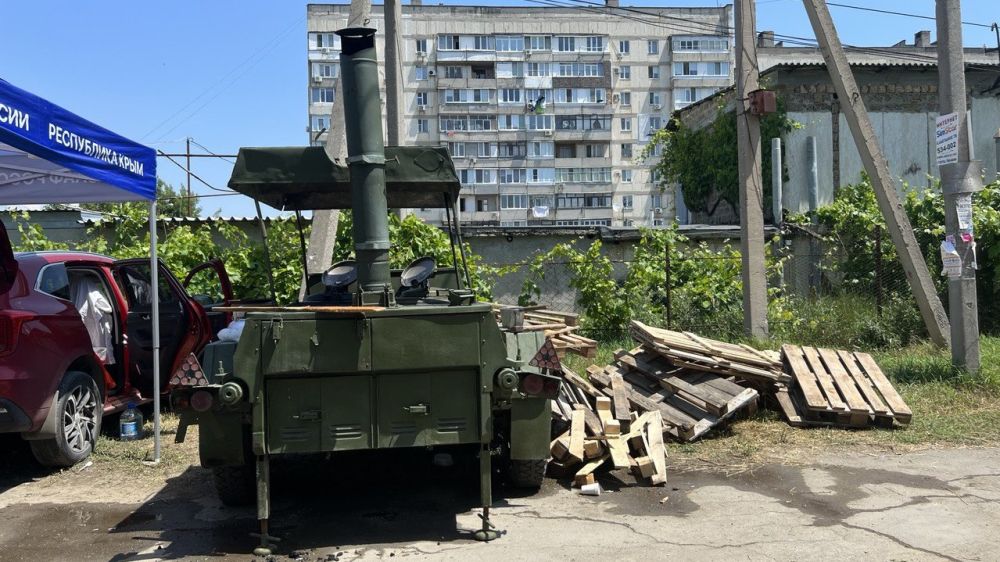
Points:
(488, 532)
(264, 506)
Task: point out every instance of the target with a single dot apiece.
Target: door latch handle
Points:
(308, 415)
(417, 409)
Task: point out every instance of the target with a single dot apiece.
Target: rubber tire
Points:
(56, 452)
(235, 485)
(527, 473)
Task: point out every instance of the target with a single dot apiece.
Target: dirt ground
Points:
(930, 505)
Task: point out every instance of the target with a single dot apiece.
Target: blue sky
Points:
(233, 73)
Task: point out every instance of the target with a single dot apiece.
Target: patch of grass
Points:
(126, 457)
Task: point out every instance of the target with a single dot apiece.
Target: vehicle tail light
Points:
(10, 328)
(202, 400)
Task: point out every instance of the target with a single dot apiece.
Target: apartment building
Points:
(546, 110)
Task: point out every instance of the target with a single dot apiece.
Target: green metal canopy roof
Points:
(304, 178)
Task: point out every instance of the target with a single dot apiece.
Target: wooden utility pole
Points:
(751, 183)
(875, 163)
(323, 236)
(959, 180)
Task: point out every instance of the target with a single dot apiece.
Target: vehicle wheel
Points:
(236, 485)
(527, 473)
(80, 409)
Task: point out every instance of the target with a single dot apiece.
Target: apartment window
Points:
(626, 176)
(654, 176)
(718, 69)
(595, 150)
(454, 72)
(482, 205)
(541, 175)
(509, 95)
(653, 72)
(325, 69)
(532, 95)
(625, 124)
(461, 204)
(653, 47)
(583, 122)
(539, 122)
(477, 176)
(510, 69)
(580, 95)
(705, 44)
(327, 40)
(482, 149)
(453, 123)
(568, 69)
(538, 42)
(565, 44)
(624, 72)
(423, 126)
(421, 46)
(483, 42)
(322, 95)
(319, 123)
(541, 149)
(655, 122)
(626, 150)
(512, 175)
(583, 175)
(448, 43)
(514, 201)
(420, 72)
(582, 200)
(536, 69)
(623, 46)
(595, 44)
(626, 98)
(510, 122)
(457, 149)
(421, 98)
(654, 98)
(512, 150)
(626, 201)
(656, 200)
(510, 43)
(480, 123)
(685, 69)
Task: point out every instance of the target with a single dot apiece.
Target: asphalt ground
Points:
(932, 505)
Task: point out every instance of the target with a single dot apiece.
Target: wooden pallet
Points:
(839, 388)
(693, 352)
(559, 327)
(690, 402)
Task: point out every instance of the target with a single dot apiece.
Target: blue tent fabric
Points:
(118, 168)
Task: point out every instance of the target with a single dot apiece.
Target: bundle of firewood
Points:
(559, 327)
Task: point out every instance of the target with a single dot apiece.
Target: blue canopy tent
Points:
(50, 155)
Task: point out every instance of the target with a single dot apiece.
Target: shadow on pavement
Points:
(356, 499)
(17, 464)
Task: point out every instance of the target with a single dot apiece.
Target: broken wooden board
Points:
(586, 474)
(841, 388)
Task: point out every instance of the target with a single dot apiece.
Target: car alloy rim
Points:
(80, 419)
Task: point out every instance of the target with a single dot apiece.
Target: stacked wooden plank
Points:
(559, 327)
(838, 388)
(690, 402)
(598, 433)
(692, 352)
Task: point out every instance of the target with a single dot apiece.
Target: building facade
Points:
(546, 110)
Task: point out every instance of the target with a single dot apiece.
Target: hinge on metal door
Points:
(277, 326)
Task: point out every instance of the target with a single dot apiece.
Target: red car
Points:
(76, 343)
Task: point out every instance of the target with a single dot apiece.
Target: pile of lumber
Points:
(838, 388)
(559, 327)
(596, 431)
(689, 351)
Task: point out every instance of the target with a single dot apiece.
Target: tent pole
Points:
(154, 277)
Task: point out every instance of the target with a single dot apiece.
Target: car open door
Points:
(211, 293)
(8, 265)
(183, 324)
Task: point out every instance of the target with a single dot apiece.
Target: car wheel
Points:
(79, 410)
(236, 485)
(527, 473)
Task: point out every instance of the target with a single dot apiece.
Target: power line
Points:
(195, 176)
(206, 149)
(904, 14)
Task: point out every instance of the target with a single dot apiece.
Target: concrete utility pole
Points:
(878, 170)
(751, 183)
(393, 71)
(323, 236)
(959, 180)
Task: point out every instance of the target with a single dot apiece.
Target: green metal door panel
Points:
(530, 428)
(294, 415)
(334, 345)
(400, 421)
(425, 343)
(347, 420)
(454, 412)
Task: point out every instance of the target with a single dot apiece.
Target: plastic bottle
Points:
(130, 424)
